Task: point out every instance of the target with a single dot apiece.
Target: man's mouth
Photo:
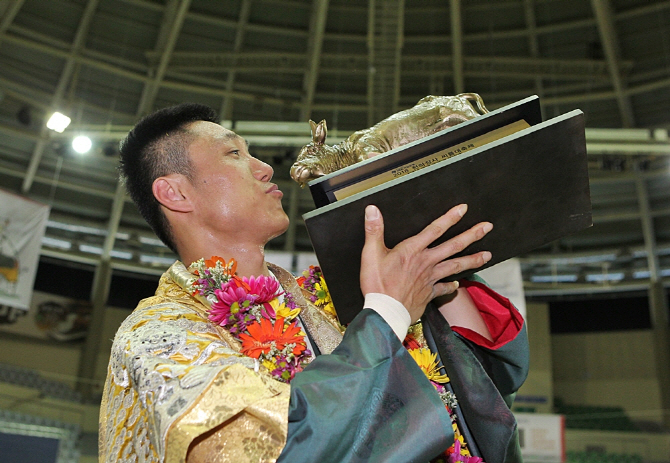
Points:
(274, 190)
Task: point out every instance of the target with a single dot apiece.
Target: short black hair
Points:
(155, 147)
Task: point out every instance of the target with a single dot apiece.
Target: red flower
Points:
(262, 335)
(410, 342)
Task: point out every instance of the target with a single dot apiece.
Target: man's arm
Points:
(369, 400)
(461, 310)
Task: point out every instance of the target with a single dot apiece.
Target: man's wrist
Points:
(391, 310)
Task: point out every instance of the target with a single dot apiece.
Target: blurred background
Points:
(596, 302)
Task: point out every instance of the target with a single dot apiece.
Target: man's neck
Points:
(250, 259)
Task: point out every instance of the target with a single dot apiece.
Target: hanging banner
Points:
(22, 225)
(50, 317)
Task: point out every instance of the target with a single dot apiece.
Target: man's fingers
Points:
(458, 243)
(437, 228)
(442, 289)
(451, 267)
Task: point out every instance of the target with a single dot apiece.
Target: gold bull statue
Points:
(430, 115)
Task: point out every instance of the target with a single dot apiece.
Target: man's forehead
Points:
(212, 130)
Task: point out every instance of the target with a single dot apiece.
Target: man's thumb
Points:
(374, 224)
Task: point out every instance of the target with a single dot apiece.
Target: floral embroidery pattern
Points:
(250, 310)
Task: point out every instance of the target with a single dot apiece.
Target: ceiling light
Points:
(56, 243)
(90, 249)
(553, 278)
(82, 144)
(596, 277)
(58, 122)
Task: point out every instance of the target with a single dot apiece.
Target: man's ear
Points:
(171, 192)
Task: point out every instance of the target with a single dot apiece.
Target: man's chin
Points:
(285, 227)
(280, 230)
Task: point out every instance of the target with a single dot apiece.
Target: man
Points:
(181, 387)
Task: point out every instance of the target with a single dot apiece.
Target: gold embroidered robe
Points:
(173, 376)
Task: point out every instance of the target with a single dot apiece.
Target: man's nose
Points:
(262, 171)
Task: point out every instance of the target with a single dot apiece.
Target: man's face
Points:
(232, 192)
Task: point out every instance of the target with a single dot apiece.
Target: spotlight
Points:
(58, 122)
(82, 144)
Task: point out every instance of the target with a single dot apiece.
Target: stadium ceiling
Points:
(268, 66)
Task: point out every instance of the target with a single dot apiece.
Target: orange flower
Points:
(262, 335)
(239, 282)
(292, 335)
(211, 262)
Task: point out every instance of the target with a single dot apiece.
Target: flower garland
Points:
(312, 281)
(427, 361)
(250, 310)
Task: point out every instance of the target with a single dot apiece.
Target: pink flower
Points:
(230, 299)
(438, 387)
(264, 288)
(267, 311)
(219, 313)
(457, 457)
(229, 294)
(237, 296)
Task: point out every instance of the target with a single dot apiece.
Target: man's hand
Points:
(411, 271)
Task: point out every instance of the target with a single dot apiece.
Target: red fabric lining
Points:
(501, 318)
